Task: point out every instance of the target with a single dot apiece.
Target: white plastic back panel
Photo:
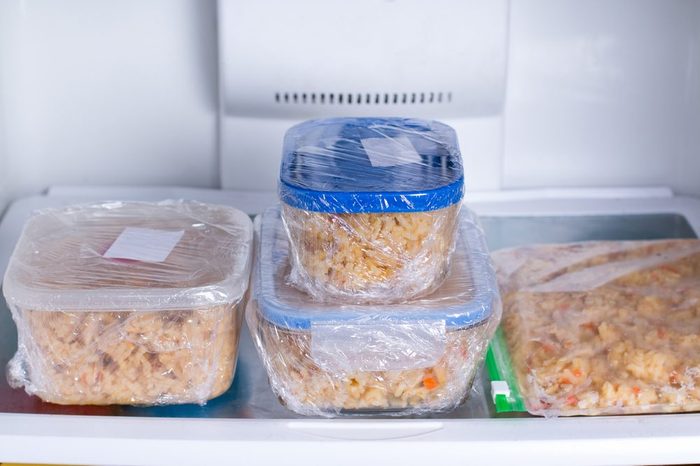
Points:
(106, 92)
(8, 28)
(124, 92)
(688, 168)
(311, 58)
(603, 94)
(307, 59)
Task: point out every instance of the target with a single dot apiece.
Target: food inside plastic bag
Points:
(333, 359)
(370, 206)
(129, 302)
(604, 327)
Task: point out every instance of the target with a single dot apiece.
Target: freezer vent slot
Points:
(376, 98)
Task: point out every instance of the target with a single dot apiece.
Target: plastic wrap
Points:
(370, 206)
(603, 327)
(410, 358)
(129, 303)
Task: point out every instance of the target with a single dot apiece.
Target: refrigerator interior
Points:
(248, 423)
(577, 120)
(571, 93)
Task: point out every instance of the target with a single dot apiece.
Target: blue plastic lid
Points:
(366, 165)
(466, 298)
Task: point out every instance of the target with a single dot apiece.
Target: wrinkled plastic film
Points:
(604, 327)
(371, 165)
(370, 206)
(61, 257)
(346, 347)
(94, 329)
(366, 258)
(310, 388)
(405, 358)
(141, 358)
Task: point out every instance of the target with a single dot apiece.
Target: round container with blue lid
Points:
(403, 358)
(370, 206)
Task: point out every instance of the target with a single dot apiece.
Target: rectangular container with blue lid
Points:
(332, 359)
(370, 206)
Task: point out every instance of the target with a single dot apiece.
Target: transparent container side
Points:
(122, 357)
(130, 303)
(395, 359)
(370, 258)
(308, 386)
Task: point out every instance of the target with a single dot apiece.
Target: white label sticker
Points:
(389, 152)
(144, 244)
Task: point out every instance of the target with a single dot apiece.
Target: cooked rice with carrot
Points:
(307, 388)
(102, 358)
(606, 327)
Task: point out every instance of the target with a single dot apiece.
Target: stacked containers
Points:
(129, 303)
(361, 307)
(404, 358)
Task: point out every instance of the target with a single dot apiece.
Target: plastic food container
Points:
(603, 328)
(129, 303)
(370, 206)
(333, 359)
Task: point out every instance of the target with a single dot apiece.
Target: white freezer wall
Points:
(107, 92)
(603, 93)
(6, 24)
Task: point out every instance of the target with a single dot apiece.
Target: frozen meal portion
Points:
(129, 302)
(370, 206)
(604, 327)
(334, 359)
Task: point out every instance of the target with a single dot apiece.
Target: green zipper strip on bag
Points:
(500, 368)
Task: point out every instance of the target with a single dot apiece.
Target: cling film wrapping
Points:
(603, 327)
(309, 385)
(129, 302)
(370, 206)
(370, 257)
(395, 359)
(137, 358)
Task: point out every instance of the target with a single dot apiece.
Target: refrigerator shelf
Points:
(248, 422)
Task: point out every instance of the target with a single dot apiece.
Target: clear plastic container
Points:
(129, 303)
(411, 358)
(370, 206)
(602, 328)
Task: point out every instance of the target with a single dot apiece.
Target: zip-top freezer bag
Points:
(410, 358)
(599, 328)
(129, 302)
(370, 206)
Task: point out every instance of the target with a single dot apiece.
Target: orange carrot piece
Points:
(589, 326)
(430, 382)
